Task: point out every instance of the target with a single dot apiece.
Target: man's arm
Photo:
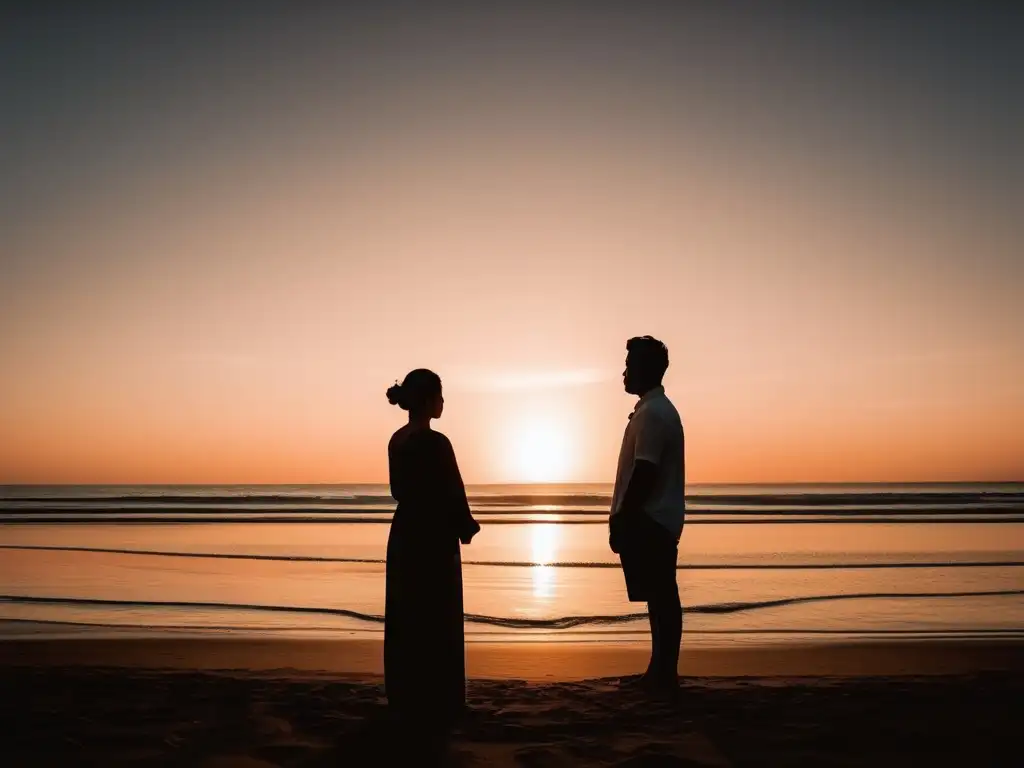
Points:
(641, 485)
(651, 437)
(650, 442)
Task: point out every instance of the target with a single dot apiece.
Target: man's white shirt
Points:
(655, 434)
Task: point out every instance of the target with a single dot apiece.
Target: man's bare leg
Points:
(666, 615)
(655, 662)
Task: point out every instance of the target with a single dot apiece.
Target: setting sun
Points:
(540, 453)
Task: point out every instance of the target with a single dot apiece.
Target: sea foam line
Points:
(516, 563)
(383, 517)
(516, 499)
(1010, 632)
(562, 622)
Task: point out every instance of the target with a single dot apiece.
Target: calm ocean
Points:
(769, 564)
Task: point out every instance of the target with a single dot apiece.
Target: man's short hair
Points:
(650, 353)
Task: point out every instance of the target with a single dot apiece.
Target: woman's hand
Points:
(471, 530)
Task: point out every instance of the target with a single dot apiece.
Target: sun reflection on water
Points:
(544, 550)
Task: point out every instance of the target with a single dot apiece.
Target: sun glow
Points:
(543, 543)
(540, 453)
(543, 551)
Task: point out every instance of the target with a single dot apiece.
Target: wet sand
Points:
(254, 703)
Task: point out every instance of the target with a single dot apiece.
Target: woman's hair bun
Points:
(394, 394)
(416, 391)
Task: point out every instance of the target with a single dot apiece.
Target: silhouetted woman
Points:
(424, 653)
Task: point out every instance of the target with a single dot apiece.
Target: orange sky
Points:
(219, 250)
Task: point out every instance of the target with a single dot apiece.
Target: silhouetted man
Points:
(648, 507)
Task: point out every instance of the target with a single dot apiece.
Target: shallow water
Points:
(770, 564)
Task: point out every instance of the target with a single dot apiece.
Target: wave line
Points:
(878, 498)
(562, 622)
(953, 632)
(518, 563)
(150, 517)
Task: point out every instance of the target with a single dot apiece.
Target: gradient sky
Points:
(222, 236)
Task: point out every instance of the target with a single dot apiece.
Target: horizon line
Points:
(538, 484)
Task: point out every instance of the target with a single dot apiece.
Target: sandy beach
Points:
(248, 703)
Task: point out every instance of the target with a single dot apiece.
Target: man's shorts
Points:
(649, 561)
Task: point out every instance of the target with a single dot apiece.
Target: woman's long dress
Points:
(424, 652)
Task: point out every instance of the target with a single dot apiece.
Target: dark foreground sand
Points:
(247, 704)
